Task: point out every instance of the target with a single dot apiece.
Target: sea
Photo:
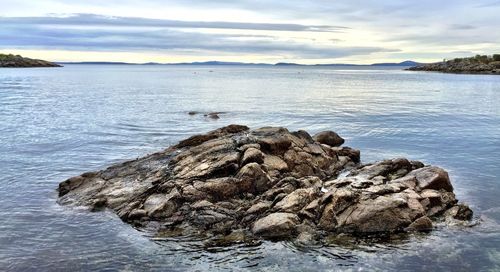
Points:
(56, 123)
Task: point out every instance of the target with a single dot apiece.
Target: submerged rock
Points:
(269, 182)
(211, 115)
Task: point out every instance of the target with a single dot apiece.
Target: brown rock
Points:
(421, 224)
(276, 225)
(253, 176)
(460, 212)
(296, 200)
(329, 138)
(252, 155)
(432, 177)
(275, 163)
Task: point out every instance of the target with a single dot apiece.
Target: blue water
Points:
(59, 122)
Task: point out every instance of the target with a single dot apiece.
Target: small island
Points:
(480, 64)
(269, 183)
(17, 61)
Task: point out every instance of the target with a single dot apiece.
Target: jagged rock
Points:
(269, 182)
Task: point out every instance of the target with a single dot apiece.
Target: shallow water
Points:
(58, 123)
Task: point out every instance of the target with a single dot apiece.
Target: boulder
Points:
(296, 200)
(252, 155)
(432, 177)
(329, 138)
(276, 225)
(423, 223)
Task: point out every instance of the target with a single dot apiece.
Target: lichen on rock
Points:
(269, 183)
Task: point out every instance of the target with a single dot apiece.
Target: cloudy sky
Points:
(303, 31)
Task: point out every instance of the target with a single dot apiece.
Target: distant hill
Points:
(480, 64)
(211, 63)
(98, 63)
(404, 63)
(217, 63)
(16, 61)
(224, 63)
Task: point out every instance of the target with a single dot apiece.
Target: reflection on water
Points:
(57, 123)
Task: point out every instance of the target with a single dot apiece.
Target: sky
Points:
(301, 31)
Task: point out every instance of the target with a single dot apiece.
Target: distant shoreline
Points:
(219, 63)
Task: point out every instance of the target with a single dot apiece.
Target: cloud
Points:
(98, 33)
(98, 20)
(369, 30)
(446, 38)
(489, 4)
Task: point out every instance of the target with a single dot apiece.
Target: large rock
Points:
(269, 182)
(329, 138)
(276, 225)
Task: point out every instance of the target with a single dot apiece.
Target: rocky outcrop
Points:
(16, 61)
(269, 183)
(474, 65)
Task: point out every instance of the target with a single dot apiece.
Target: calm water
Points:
(57, 123)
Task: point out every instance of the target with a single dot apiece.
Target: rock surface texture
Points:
(16, 61)
(475, 65)
(270, 183)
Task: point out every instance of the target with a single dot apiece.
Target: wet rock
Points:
(137, 214)
(459, 212)
(383, 214)
(213, 115)
(269, 182)
(423, 223)
(329, 138)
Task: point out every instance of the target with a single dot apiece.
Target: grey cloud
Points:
(97, 20)
(489, 4)
(130, 39)
(462, 27)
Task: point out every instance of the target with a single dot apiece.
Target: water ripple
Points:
(57, 125)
